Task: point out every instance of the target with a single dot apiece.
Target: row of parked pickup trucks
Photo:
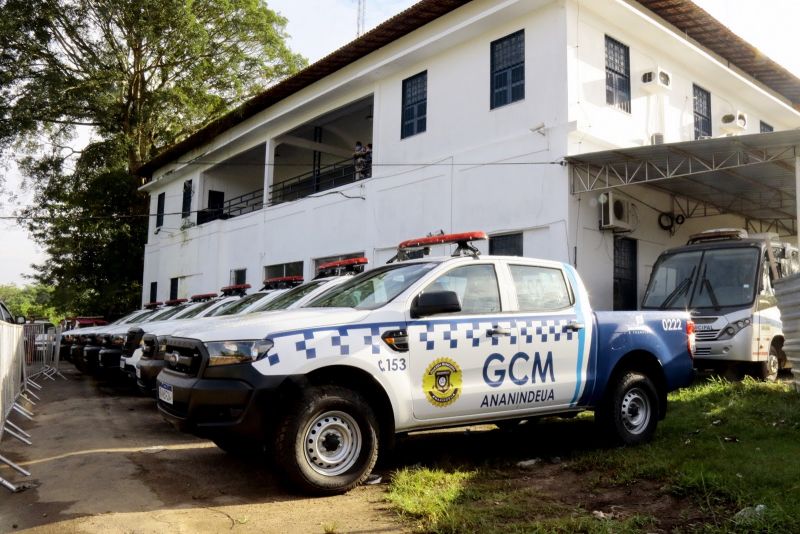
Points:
(323, 374)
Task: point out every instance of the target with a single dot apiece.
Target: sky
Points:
(318, 27)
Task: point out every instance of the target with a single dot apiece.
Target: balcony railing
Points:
(339, 173)
(249, 202)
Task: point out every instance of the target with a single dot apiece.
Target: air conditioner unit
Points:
(734, 123)
(657, 138)
(615, 213)
(656, 80)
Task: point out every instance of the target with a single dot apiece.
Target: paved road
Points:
(103, 460)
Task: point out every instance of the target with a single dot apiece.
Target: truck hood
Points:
(263, 324)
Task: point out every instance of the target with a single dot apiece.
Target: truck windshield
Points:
(290, 297)
(704, 279)
(374, 288)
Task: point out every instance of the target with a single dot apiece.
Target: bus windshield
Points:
(714, 278)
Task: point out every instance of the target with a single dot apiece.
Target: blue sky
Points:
(318, 27)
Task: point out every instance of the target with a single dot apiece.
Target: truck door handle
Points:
(574, 326)
(498, 331)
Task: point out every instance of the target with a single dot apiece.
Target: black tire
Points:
(768, 369)
(327, 419)
(629, 412)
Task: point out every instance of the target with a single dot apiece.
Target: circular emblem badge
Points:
(441, 382)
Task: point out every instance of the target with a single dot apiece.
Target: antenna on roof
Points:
(362, 11)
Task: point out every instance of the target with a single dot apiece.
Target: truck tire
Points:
(768, 369)
(629, 413)
(327, 442)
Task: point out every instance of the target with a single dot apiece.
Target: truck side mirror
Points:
(20, 319)
(435, 302)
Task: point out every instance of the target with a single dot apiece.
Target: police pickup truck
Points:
(419, 344)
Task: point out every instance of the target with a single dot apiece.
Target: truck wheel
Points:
(768, 369)
(629, 413)
(327, 443)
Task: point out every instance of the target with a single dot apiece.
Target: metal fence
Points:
(787, 290)
(26, 352)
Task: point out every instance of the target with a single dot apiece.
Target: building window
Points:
(766, 128)
(153, 291)
(415, 105)
(186, 208)
(506, 245)
(702, 113)
(508, 69)
(618, 75)
(238, 276)
(160, 210)
(294, 268)
(173, 288)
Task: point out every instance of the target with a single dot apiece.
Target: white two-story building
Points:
(484, 115)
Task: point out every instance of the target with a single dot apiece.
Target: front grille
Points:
(132, 341)
(702, 351)
(706, 335)
(184, 355)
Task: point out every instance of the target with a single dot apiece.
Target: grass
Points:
(723, 447)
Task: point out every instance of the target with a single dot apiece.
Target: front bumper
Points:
(90, 357)
(231, 401)
(109, 358)
(147, 371)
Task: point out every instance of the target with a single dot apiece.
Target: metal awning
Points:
(755, 176)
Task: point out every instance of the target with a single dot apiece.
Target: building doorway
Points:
(625, 297)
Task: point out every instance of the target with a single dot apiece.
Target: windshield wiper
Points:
(707, 284)
(678, 291)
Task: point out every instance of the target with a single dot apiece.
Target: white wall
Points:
(652, 45)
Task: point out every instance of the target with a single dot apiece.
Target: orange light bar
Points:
(175, 302)
(153, 304)
(343, 263)
(442, 239)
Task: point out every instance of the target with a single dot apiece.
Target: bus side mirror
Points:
(435, 302)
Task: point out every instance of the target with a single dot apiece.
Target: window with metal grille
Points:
(238, 276)
(702, 112)
(618, 75)
(506, 245)
(415, 105)
(153, 291)
(186, 208)
(160, 210)
(766, 128)
(173, 288)
(294, 268)
(508, 69)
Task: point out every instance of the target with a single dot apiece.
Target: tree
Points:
(138, 75)
(32, 301)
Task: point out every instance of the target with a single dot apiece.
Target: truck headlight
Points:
(118, 340)
(231, 352)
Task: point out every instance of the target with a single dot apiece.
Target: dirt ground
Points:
(103, 460)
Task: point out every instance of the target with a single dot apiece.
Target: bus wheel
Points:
(768, 369)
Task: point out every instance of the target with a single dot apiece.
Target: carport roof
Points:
(754, 176)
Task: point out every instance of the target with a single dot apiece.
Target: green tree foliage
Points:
(138, 76)
(32, 301)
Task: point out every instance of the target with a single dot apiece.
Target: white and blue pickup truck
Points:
(420, 344)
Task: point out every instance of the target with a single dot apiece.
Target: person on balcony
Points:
(360, 160)
(368, 161)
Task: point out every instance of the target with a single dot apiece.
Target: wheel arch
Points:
(353, 378)
(647, 363)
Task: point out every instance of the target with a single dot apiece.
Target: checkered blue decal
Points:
(435, 335)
